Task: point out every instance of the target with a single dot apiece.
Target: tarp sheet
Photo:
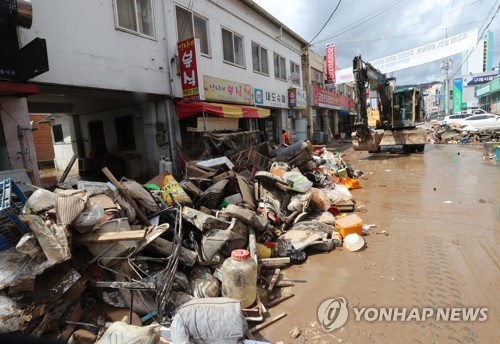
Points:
(185, 110)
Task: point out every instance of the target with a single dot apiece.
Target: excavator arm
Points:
(365, 74)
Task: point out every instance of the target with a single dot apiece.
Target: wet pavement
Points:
(441, 212)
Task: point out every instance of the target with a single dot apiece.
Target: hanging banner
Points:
(457, 95)
(417, 56)
(330, 63)
(189, 57)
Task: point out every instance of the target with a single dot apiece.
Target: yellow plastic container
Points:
(349, 224)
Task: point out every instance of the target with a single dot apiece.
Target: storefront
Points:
(277, 103)
(297, 100)
(332, 114)
(226, 109)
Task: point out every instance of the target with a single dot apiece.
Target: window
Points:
(317, 77)
(294, 73)
(232, 45)
(191, 25)
(279, 67)
(125, 133)
(259, 59)
(136, 16)
(58, 133)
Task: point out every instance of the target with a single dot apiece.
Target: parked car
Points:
(456, 118)
(483, 121)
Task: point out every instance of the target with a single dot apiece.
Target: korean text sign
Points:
(189, 58)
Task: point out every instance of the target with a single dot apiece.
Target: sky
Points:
(375, 29)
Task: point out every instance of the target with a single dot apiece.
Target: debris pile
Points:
(453, 133)
(166, 259)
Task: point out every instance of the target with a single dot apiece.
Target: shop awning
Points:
(185, 110)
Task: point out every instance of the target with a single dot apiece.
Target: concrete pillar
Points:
(19, 137)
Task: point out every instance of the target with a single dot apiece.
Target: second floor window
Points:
(294, 73)
(279, 67)
(232, 45)
(136, 16)
(259, 59)
(191, 25)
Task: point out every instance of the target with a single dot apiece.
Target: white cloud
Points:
(402, 26)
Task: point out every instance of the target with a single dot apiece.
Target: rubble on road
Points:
(453, 133)
(103, 259)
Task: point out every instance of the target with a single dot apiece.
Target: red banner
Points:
(192, 85)
(330, 63)
(330, 100)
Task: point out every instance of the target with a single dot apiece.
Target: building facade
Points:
(114, 82)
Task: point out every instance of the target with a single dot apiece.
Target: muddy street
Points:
(441, 218)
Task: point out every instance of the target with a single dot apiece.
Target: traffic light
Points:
(19, 64)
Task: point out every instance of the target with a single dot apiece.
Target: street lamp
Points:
(445, 66)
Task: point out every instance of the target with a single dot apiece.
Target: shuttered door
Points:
(43, 139)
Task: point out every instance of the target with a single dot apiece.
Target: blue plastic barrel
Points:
(498, 153)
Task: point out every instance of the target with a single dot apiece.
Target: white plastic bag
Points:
(89, 217)
(344, 191)
(298, 181)
(334, 195)
(40, 200)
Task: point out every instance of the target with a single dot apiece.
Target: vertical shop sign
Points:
(330, 63)
(189, 57)
(457, 95)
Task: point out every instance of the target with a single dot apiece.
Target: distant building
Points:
(479, 59)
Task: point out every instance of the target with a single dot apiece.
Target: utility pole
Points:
(445, 66)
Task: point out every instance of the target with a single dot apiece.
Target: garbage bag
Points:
(299, 202)
(90, 215)
(211, 320)
(141, 195)
(203, 283)
(39, 201)
(297, 181)
(319, 200)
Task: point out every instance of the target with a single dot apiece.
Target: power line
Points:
(402, 36)
(478, 40)
(331, 15)
(347, 28)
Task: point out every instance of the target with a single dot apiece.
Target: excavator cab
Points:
(398, 112)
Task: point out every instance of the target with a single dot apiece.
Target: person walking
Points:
(286, 138)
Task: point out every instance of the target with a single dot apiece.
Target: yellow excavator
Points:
(398, 112)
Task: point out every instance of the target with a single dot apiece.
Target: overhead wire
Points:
(331, 15)
(400, 36)
(348, 28)
(479, 38)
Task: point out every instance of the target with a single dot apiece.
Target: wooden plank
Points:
(125, 285)
(246, 192)
(279, 300)
(283, 284)
(252, 243)
(110, 237)
(274, 279)
(267, 323)
(274, 262)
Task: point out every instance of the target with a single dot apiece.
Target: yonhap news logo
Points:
(334, 313)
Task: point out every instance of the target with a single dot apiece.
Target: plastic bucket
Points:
(498, 153)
